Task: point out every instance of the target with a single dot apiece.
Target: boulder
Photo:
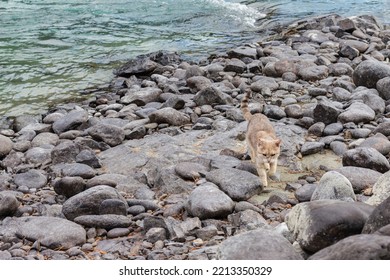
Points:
(366, 158)
(212, 95)
(334, 185)
(208, 202)
(380, 217)
(110, 134)
(369, 72)
(358, 112)
(238, 184)
(326, 112)
(259, 244)
(170, 116)
(380, 190)
(321, 223)
(357, 247)
(360, 178)
(70, 121)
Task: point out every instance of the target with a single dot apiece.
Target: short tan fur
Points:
(264, 145)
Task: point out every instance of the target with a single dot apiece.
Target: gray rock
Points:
(333, 129)
(169, 116)
(360, 178)
(260, 244)
(110, 134)
(174, 102)
(366, 158)
(238, 184)
(70, 121)
(136, 210)
(51, 232)
(45, 138)
(316, 224)
(379, 142)
(5, 146)
(208, 202)
(8, 205)
(247, 219)
(340, 69)
(212, 95)
(155, 234)
(371, 98)
(89, 158)
(358, 133)
(194, 70)
(113, 206)
(207, 232)
(136, 133)
(334, 185)
(305, 192)
(341, 94)
(274, 112)
(198, 83)
(326, 112)
(137, 66)
(293, 111)
(380, 190)
(32, 179)
(117, 232)
(346, 24)
(358, 112)
(243, 51)
(74, 170)
(383, 87)
(38, 155)
(147, 204)
(349, 52)
(69, 186)
(309, 148)
(88, 202)
(65, 152)
(357, 247)
(313, 73)
(141, 97)
(235, 65)
(166, 181)
(316, 129)
(107, 221)
(369, 72)
(339, 148)
(383, 128)
(264, 83)
(191, 170)
(380, 217)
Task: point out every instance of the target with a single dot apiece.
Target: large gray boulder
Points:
(51, 232)
(334, 185)
(380, 217)
(208, 202)
(89, 201)
(260, 244)
(366, 158)
(238, 184)
(319, 224)
(70, 121)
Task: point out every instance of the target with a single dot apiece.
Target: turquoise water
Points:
(51, 50)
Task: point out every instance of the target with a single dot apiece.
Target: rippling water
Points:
(51, 50)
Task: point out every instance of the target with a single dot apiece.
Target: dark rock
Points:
(31, 179)
(136, 133)
(316, 129)
(357, 247)
(136, 210)
(51, 232)
(326, 112)
(321, 223)
(369, 72)
(166, 181)
(8, 205)
(383, 128)
(380, 217)
(360, 178)
(383, 87)
(140, 65)
(314, 73)
(113, 206)
(293, 111)
(305, 192)
(89, 158)
(274, 112)
(89, 201)
(333, 129)
(155, 234)
(74, 170)
(238, 184)
(371, 98)
(107, 221)
(309, 148)
(211, 95)
(208, 202)
(235, 65)
(70, 121)
(65, 152)
(346, 24)
(117, 232)
(198, 83)
(190, 170)
(69, 186)
(141, 97)
(247, 219)
(147, 204)
(169, 116)
(366, 158)
(334, 185)
(260, 244)
(243, 51)
(110, 134)
(174, 102)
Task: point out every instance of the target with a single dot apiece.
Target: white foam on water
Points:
(240, 12)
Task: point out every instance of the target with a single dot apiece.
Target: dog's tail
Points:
(244, 105)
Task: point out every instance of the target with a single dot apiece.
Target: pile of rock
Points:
(155, 167)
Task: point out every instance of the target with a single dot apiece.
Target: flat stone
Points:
(106, 221)
(32, 179)
(70, 121)
(110, 134)
(358, 112)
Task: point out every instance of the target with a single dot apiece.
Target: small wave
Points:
(240, 12)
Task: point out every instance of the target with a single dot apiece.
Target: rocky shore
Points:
(154, 166)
